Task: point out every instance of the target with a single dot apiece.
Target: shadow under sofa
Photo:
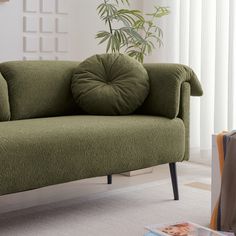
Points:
(45, 139)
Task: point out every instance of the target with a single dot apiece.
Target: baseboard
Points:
(200, 156)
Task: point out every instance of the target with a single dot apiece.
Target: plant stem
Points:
(146, 35)
(109, 21)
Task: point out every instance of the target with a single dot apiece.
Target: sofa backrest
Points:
(38, 88)
(34, 89)
(5, 113)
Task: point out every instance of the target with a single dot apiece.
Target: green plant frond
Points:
(138, 34)
(113, 43)
(104, 39)
(159, 31)
(111, 10)
(153, 37)
(139, 24)
(117, 43)
(125, 20)
(148, 34)
(128, 17)
(117, 35)
(138, 14)
(126, 1)
(159, 42)
(106, 10)
(156, 31)
(149, 48)
(120, 41)
(103, 35)
(161, 11)
(135, 43)
(108, 45)
(123, 2)
(134, 14)
(101, 8)
(164, 9)
(135, 47)
(129, 48)
(117, 2)
(108, 18)
(137, 55)
(132, 33)
(151, 44)
(149, 23)
(132, 52)
(124, 38)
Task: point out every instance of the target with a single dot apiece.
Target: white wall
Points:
(169, 52)
(83, 24)
(10, 30)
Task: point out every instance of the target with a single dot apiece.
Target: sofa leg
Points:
(174, 180)
(109, 179)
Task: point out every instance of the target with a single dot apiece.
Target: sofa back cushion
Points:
(5, 113)
(39, 88)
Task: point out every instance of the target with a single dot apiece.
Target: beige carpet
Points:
(118, 212)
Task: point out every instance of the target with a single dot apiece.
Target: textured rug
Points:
(122, 212)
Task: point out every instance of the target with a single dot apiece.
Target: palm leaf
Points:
(136, 35)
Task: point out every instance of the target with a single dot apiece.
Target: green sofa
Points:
(45, 139)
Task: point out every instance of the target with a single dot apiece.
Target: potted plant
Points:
(130, 31)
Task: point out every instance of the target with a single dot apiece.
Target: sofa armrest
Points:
(184, 114)
(165, 88)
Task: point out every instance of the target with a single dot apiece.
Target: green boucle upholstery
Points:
(110, 84)
(165, 88)
(184, 114)
(39, 88)
(41, 152)
(5, 113)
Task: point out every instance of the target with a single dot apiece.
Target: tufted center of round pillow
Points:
(110, 84)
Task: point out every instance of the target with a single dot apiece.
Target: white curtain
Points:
(202, 34)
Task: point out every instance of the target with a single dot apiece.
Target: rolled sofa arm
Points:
(165, 88)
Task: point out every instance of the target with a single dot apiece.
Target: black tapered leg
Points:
(174, 180)
(109, 179)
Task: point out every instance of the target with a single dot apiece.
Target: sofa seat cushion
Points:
(40, 152)
(110, 84)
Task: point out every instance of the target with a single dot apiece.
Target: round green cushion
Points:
(110, 84)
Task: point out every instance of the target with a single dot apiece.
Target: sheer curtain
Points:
(202, 34)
